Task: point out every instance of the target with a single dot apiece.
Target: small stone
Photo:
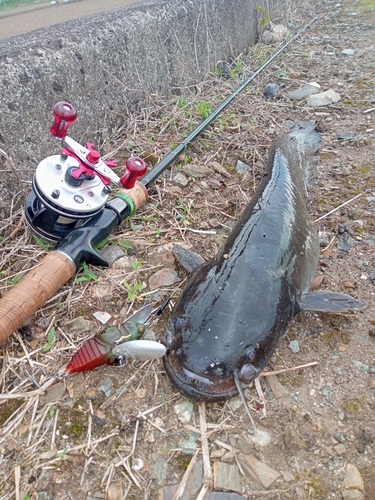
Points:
(106, 387)
(242, 168)
(348, 52)
(226, 477)
(163, 278)
(192, 486)
(323, 99)
(288, 476)
(114, 492)
(260, 472)
(53, 394)
(271, 90)
(337, 435)
(124, 264)
(111, 253)
(180, 180)
(353, 479)
(353, 495)
(294, 346)
(160, 469)
(189, 447)
(361, 366)
(196, 171)
(340, 449)
(188, 260)
(161, 255)
(220, 169)
(80, 325)
(184, 411)
(305, 91)
(102, 316)
(235, 403)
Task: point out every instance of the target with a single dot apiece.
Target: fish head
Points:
(203, 365)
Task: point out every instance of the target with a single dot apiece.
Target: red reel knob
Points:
(65, 115)
(135, 168)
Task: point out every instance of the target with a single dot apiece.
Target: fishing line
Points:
(244, 400)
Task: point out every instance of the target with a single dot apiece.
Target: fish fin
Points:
(325, 301)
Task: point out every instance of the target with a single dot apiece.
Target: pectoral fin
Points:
(324, 301)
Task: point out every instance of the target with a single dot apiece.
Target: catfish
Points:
(235, 308)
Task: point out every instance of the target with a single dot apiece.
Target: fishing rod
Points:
(172, 156)
(69, 204)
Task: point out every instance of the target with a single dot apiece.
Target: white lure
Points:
(140, 350)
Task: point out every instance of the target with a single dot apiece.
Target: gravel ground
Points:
(127, 433)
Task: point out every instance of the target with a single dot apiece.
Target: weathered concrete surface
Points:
(104, 65)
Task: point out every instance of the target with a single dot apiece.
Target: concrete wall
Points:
(105, 64)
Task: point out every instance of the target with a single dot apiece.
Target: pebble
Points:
(261, 473)
(102, 316)
(124, 264)
(180, 180)
(160, 469)
(196, 171)
(163, 278)
(80, 325)
(242, 168)
(294, 346)
(305, 91)
(187, 259)
(189, 447)
(184, 411)
(226, 477)
(353, 495)
(192, 487)
(161, 255)
(106, 387)
(363, 367)
(111, 253)
(323, 99)
(340, 449)
(348, 52)
(53, 394)
(353, 479)
(271, 90)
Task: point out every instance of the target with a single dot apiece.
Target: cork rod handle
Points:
(33, 290)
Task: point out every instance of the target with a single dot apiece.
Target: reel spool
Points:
(70, 188)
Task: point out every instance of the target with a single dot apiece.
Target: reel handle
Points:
(135, 168)
(33, 290)
(65, 115)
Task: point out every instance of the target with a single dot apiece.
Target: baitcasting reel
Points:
(71, 187)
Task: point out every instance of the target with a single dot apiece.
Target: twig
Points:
(181, 488)
(277, 372)
(205, 446)
(17, 477)
(338, 208)
(368, 110)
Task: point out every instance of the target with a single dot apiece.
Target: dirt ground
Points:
(28, 18)
(114, 432)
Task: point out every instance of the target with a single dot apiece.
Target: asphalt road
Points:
(23, 20)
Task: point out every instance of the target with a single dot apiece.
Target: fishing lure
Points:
(117, 341)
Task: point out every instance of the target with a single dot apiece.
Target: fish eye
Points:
(250, 355)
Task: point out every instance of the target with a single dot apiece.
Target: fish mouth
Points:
(197, 387)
